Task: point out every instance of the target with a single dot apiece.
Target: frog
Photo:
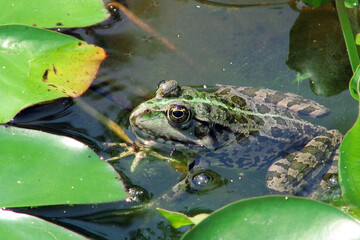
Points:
(242, 127)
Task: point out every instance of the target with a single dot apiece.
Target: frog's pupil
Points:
(178, 114)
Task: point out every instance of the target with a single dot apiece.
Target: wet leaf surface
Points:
(39, 65)
(53, 14)
(38, 168)
(276, 217)
(20, 226)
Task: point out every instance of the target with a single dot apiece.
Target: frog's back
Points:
(282, 100)
(279, 129)
(274, 110)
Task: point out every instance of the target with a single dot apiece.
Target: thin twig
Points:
(114, 127)
(149, 30)
(141, 24)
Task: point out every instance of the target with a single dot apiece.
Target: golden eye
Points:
(178, 114)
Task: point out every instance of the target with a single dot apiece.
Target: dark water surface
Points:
(264, 46)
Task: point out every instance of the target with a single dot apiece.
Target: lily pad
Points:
(38, 168)
(276, 217)
(53, 14)
(38, 65)
(22, 226)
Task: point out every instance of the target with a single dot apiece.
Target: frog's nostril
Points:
(147, 112)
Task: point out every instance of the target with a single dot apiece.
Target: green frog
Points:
(241, 127)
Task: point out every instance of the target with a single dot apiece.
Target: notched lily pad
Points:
(38, 65)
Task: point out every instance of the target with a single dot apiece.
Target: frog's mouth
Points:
(159, 142)
(158, 133)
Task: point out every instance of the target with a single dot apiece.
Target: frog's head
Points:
(182, 117)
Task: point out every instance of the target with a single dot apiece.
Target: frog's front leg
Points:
(290, 174)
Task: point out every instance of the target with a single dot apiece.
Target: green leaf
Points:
(198, 218)
(357, 39)
(351, 3)
(354, 83)
(22, 226)
(349, 165)
(316, 3)
(35, 67)
(53, 14)
(38, 168)
(177, 219)
(276, 217)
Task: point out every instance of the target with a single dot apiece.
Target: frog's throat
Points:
(161, 143)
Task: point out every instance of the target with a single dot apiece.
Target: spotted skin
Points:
(293, 172)
(242, 127)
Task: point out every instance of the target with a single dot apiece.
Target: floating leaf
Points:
(53, 14)
(22, 226)
(177, 219)
(276, 217)
(38, 65)
(38, 168)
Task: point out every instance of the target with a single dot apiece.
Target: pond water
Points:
(271, 46)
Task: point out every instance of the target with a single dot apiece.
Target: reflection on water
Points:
(234, 46)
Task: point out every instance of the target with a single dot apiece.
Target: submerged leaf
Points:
(312, 49)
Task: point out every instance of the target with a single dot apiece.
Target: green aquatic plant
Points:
(40, 168)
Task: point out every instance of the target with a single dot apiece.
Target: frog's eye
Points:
(178, 114)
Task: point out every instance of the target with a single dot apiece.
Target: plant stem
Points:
(348, 34)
